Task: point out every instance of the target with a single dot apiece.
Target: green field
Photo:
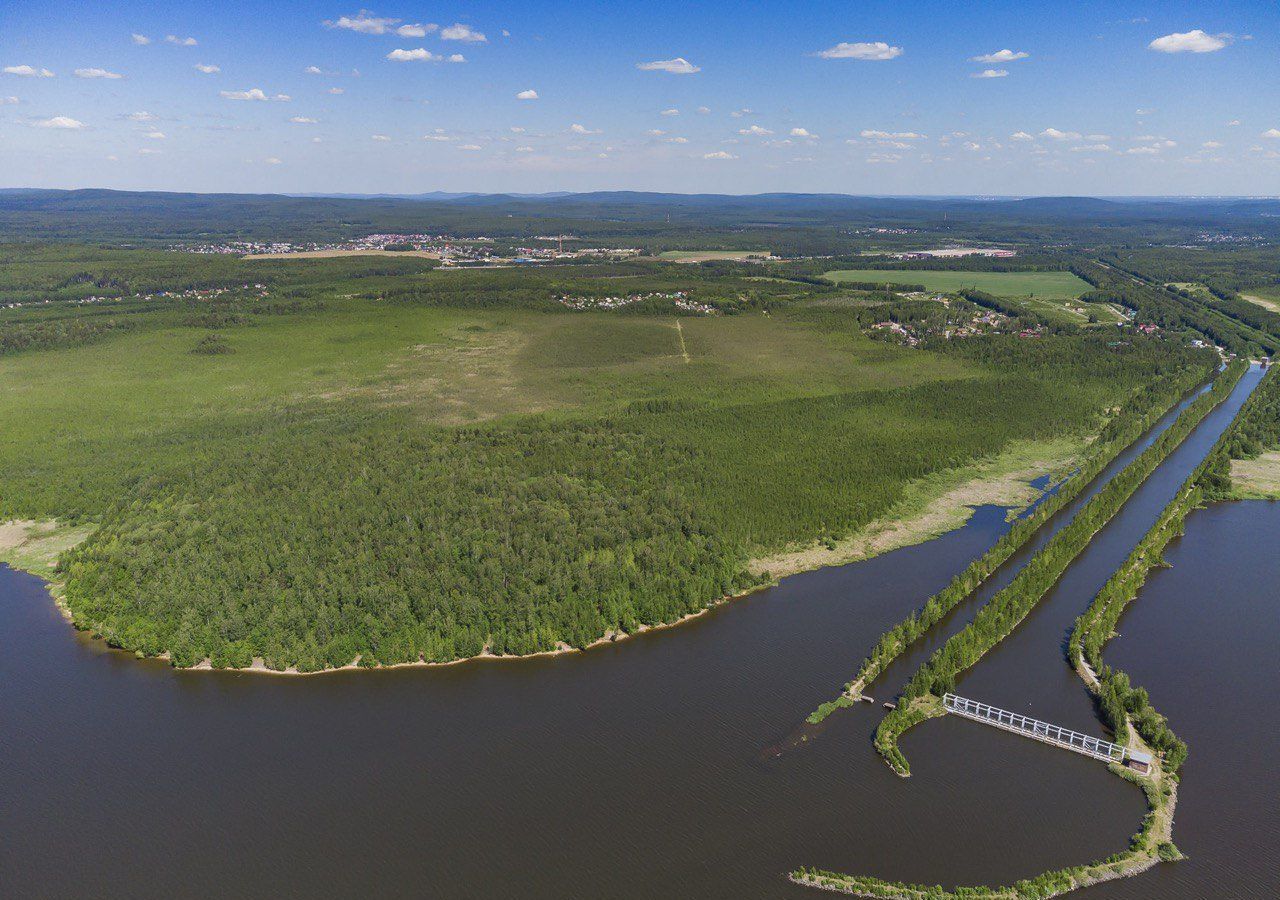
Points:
(398, 465)
(1048, 285)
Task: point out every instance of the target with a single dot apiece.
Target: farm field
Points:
(1048, 285)
(1073, 312)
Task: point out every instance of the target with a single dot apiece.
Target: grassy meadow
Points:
(1045, 285)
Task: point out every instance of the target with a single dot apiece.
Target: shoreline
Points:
(1002, 480)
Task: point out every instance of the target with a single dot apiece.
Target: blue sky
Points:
(853, 97)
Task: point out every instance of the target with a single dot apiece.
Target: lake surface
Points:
(641, 769)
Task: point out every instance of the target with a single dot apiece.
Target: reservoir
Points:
(642, 769)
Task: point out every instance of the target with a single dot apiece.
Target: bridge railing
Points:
(1035, 728)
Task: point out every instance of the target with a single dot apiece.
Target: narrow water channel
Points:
(633, 770)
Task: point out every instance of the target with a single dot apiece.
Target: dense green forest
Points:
(312, 461)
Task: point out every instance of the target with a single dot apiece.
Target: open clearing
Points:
(1046, 285)
(1267, 298)
(1258, 477)
(711, 255)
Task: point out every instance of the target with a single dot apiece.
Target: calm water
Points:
(636, 770)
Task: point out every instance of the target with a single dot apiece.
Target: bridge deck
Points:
(1107, 751)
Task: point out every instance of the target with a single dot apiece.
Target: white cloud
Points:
(873, 50)
(470, 148)
(142, 116)
(149, 151)
(438, 136)
(155, 135)
(517, 129)
(530, 94)
(273, 161)
(419, 54)
(1143, 112)
(677, 66)
(524, 149)
(415, 30)
(460, 32)
(181, 42)
(802, 133)
(1057, 135)
(757, 130)
(670, 112)
(1211, 145)
(1142, 151)
(207, 69)
(303, 120)
(253, 94)
(871, 134)
(655, 132)
(739, 113)
(63, 122)
(379, 137)
(1091, 148)
(337, 90)
(677, 140)
(1097, 138)
(719, 154)
(582, 129)
(1271, 133)
(313, 70)
(97, 73)
(457, 58)
(6, 101)
(991, 73)
(1001, 56)
(364, 22)
(703, 110)
(140, 39)
(1195, 41)
(27, 72)
(1020, 136)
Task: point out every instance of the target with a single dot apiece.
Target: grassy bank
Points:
(1048, 285)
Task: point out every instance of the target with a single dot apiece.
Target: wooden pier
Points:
(1098, 748)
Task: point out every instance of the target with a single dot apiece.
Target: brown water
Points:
(635, 770)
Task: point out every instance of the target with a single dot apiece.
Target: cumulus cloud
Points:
(337, 90)
(5, 101)
(802, 133)
(363, 22)
(703, 110)
(252, 94)
(676, 140)
(273, 161)
(457, 58)
(1055, 134)
(524, 149)
(207, 69)
(1091, 148)
(438, 136)
(379, 137)
(303, 120)
(1142, 151)
(757, 130)
(149, 151)
(677, 66)
(97, 73)
(62, 122)
(1195, 41)
(530, 94)
(1211, 145)
(140, 39)
(181, 42)
(416, 30)
(872, 134)
(142, 116)
(991, 73)
(155, 135)
(1271, 133)
(1001, 56)
(670, 112)
(582, 129)
(719, 154)
(27, 72)
(869, 50)
(418, 54)
(460, 32)
(1020, 136)
(470, 148)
